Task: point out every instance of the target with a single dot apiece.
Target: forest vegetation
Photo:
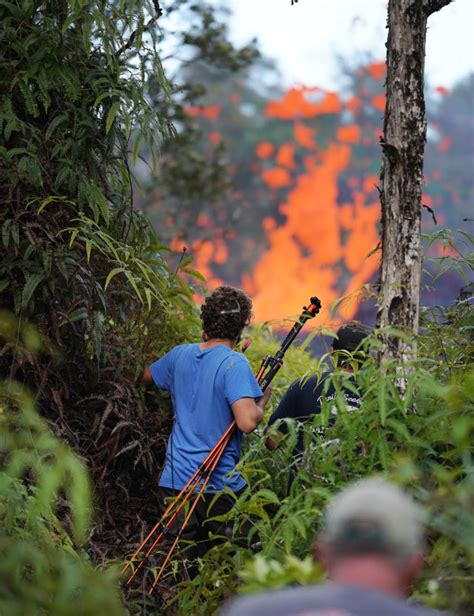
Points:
(109, 165)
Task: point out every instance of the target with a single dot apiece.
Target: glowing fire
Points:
(318, 242)
(325, 246)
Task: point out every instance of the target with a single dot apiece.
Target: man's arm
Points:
(248, 413)
(160, 372)
(145, 377)
(272, 442)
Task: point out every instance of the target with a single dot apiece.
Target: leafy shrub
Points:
(45, 516)
(76, 257)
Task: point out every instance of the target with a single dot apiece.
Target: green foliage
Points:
(429, 453)
(75, 88)
(69, 118)
(267, 573)
(194, 172)
(45, 515)
(80, 262)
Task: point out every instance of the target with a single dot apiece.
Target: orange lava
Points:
(319, 240)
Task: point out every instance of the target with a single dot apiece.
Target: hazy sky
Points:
(307, 38)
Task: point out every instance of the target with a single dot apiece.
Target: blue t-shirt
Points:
(203, 384)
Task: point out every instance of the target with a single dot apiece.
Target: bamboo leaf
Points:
(88, 249)
(74, 234)
(112, 274)
(382, 398)
(148, 297)
(53, 199)
(103, 205)
(133, 282)
(136, 147)
(32, 282)
(111, 115)
(194, 273)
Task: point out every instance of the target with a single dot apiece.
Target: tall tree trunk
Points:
(402, 173)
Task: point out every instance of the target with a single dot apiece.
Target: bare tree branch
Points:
(148, 25)
(434, 6)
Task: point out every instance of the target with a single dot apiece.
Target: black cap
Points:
(350, 336)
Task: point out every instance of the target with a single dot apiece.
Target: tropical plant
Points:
(46, 511)
(77, 258)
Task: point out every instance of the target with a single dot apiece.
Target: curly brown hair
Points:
(225, 313)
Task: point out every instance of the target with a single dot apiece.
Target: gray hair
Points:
(373, 516)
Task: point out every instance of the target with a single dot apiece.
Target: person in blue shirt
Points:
(210, 385)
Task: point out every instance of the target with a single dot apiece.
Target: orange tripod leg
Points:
(186, 520)
(207, 460)
(206, 468)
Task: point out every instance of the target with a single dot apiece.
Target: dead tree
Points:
(403, 146)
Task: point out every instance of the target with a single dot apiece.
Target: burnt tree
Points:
(403, 143)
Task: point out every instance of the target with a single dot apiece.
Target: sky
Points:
(306, 39)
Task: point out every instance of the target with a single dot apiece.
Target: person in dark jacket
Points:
(304, 398)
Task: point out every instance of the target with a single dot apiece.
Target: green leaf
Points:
(88, 249)
(136, 146)
(268, 495)
(382, 399)
(6, 232)
(112, 274)
(103, 206)
(16, 152)
(80, 314)
(104, 95)
(383, 451)
(32, 281)
(55, 124)
(111, 115)
(133, 282)
(300, 526)
(79, 491)
(194, 273)
(148, 297)
(74, 234)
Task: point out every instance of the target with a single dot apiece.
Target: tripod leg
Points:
(188, 516)
(206, 469)
(208, 460)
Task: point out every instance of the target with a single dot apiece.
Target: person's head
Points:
(225, 313)
(372, 537)
(348, 339)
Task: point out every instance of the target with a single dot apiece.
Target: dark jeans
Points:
(195, 540)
